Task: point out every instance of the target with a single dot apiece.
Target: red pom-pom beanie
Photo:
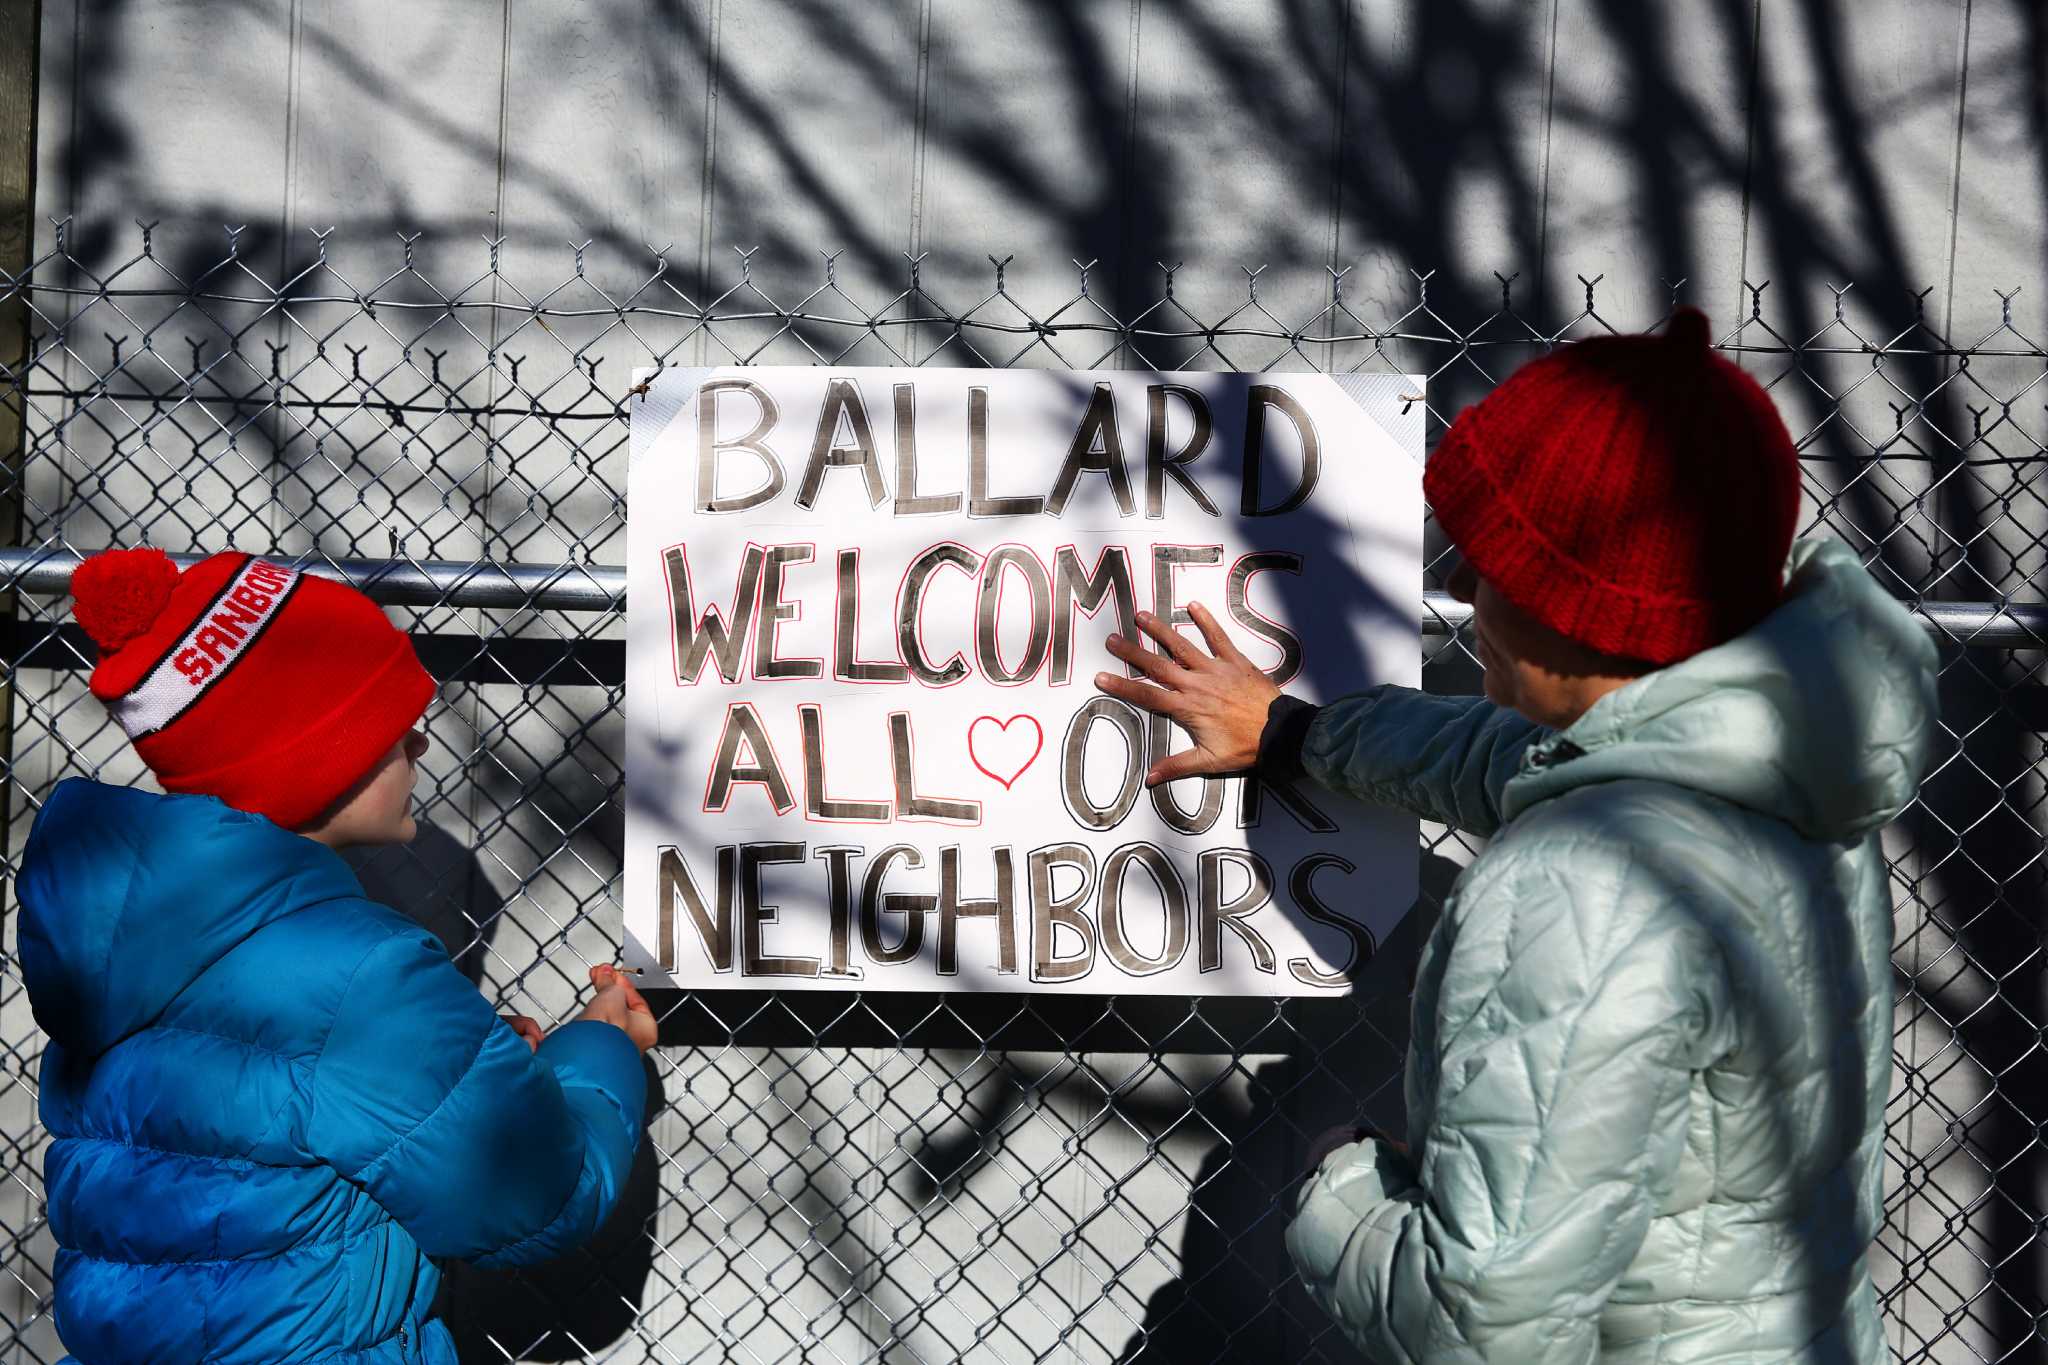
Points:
(269, 688)
(1637, 494)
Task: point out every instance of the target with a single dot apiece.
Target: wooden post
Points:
(21, 32)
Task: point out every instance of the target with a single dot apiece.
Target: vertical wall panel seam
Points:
(1337, 143)
(504, 89)
(71, 174)
(918, 145)
(472, 784)
(1912, 1041)
(288, 212)
(19, 126)
(706, 195)
(72, 179)
(1543, 194)
(288, 224)
(1125, 267)
(1756, 65)
(1955, 173)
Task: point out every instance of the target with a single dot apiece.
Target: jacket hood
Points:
(127, 897)
(1822, 716)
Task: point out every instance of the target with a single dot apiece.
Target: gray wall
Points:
(1893, 144)
(1889, 143)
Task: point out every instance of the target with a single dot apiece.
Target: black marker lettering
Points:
(909, 805)
(909, 502)
(927, 563)
(1160, 740)
(1168, 560)
(1261, 397)
(1074, 770)
(774, 611)
(846, 667)
(678, 887)
(1251, 805)
(979, 503)
(874, 904)
(743, 726)
(1109, 913)
(1074, 587)
(754, 913)
(1218, 914)
(1301, 885)
(817, 804)
(1235, 596)
(713, 633)
(988, 640)
(709, 447)
(1096, 448)
(843, 403)
(1160, 466)
(839, 906)
(1050, 912)
(1002, 908)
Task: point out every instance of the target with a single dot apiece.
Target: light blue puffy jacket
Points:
(1652, 1030)
(273, 1103)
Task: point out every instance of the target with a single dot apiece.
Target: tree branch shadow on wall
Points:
(1422, 131)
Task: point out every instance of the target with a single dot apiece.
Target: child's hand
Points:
(1343, 1136)
(526, 1028)
(618, 1002)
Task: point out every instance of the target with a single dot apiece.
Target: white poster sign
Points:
(865, 747)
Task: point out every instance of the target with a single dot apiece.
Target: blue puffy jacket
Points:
(273, 1101)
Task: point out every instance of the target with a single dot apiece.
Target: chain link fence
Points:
(933, 1178)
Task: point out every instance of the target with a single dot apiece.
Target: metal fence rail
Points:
(597, 587)
(990, 1178)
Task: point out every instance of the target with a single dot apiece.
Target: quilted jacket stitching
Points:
(341, 1000)
(368, 1172)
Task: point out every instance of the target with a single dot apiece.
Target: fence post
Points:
(21, 32)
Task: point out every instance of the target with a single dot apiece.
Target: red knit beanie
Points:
(271, 689)
(1637, 494)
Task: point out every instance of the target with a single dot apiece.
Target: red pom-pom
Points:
(118, 594)
(1689, 329)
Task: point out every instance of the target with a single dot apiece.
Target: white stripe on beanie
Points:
(222, 635)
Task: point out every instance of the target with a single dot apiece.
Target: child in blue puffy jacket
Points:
(273, 1103)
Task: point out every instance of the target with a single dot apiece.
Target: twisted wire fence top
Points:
(333, 359)
(998, 1177)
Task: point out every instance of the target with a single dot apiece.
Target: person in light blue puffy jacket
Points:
(273, 1103)
(1651, 1032)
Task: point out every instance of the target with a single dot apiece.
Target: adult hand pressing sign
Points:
(1219, 697)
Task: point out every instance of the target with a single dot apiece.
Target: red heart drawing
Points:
(1003, 749)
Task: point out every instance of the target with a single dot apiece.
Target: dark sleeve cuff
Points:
(1280, 743)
